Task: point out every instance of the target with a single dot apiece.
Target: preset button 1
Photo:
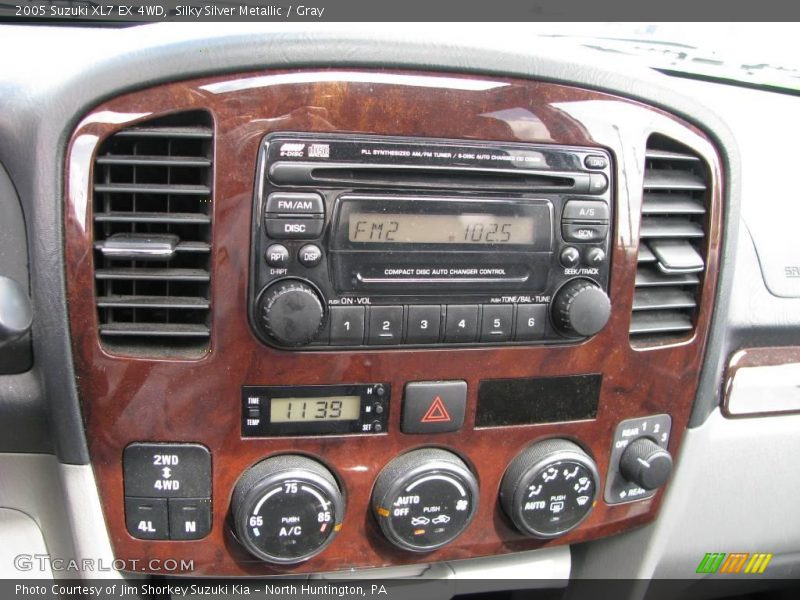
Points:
(347, 325)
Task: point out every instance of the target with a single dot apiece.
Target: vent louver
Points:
(152, 235)
(673, 243)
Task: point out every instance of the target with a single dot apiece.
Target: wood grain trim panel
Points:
(127, 399)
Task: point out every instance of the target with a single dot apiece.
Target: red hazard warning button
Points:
(434, 406)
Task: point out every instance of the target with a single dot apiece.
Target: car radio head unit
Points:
(379, 241)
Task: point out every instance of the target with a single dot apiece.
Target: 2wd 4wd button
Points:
(167, 471)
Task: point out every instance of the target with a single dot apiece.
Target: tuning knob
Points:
(290, 312)
(646, 464)
(580, 308)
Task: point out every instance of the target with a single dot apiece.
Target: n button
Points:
(434, 406)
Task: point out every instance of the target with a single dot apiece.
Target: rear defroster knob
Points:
(580, 308)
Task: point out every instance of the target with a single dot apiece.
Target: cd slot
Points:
(433, 177)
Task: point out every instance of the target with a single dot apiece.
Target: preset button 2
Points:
(385, 324)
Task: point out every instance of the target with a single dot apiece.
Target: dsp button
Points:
(167, 470)
(434, 406)
(309, 255)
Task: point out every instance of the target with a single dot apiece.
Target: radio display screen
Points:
(301, 410)
(387, 228)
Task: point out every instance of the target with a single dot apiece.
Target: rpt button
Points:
(167, 470)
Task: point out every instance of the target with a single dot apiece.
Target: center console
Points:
(326, 320)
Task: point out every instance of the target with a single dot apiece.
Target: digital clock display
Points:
(387, 228)
(303, 410)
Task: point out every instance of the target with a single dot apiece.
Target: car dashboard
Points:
(347, 303)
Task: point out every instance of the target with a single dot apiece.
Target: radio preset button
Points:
(295, 204)
(309, 255)
(585, 211)
(576, 232)
(277, 256)
(461, 324)
(496, 323)
(423, 324)
(570, 257)
(530, 322)
(294, 229)
(347, 325)
(385, 324)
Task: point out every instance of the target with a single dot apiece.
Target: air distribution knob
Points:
(549, 488)
(646, 464)
(290, 312)
(580, 308)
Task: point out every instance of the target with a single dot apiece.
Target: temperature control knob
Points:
(287, 509)
(580, 308)
(425, 499)
(290, 312)
(646, 464)
(549, 488)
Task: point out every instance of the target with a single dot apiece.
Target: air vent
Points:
(152, 235)
(673, 243)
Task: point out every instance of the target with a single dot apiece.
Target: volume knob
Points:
(580, 308)
(290, 312)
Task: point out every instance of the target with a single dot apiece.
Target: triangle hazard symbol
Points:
(437, 413)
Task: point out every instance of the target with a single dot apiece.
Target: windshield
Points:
(759, 54)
